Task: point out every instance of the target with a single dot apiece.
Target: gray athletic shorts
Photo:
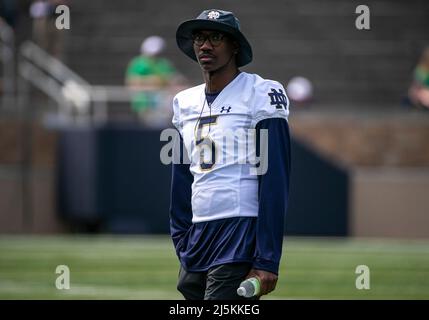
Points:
(218, 283)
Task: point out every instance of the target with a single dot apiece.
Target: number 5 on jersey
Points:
(206, 142)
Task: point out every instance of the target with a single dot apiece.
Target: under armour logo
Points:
(225, 109)
(278, 99)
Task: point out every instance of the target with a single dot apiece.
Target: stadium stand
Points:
(349, 68)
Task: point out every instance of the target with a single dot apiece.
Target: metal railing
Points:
(78, 101)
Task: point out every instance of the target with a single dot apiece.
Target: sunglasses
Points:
(214, 38)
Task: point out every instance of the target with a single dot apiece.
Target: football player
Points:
(227, 222)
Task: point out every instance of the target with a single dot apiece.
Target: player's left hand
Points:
(267, 279)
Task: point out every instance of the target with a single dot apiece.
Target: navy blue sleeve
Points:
(273, 194)
(180, 197)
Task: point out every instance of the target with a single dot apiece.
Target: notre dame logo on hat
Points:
(213, 15)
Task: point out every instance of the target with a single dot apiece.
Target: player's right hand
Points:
(267, 280)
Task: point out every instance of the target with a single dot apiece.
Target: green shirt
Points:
(142, 66)
(422, 76)
(145, 66)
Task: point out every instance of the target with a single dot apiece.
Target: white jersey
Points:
(225, 187)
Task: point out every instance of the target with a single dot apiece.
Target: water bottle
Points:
(249, 288)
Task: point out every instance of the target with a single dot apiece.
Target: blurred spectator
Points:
(418, 92)
(45, 33)
(155, 80)
(300, 91)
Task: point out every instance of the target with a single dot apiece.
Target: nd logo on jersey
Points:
(278, 99)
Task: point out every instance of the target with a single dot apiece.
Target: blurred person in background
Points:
(300, 91)
(45, 33)
(418, 92)
(154, 80)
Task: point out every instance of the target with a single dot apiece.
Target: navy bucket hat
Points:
(218, 20)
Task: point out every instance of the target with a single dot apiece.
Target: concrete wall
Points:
(390, 202)
(370, 139)
(40, 214)
(27, 175)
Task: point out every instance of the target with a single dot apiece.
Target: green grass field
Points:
(145, 267)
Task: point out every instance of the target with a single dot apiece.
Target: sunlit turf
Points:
(146, 267)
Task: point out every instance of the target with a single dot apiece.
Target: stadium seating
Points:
(349, 68)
